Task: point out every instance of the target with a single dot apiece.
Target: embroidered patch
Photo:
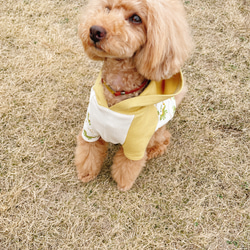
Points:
(165, 111)
(89, 137)
(162, 112)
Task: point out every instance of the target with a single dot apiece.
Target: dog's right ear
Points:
(168, 40)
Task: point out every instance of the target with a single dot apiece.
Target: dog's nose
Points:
(97, 33)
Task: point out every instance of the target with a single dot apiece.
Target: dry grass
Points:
(195, 197)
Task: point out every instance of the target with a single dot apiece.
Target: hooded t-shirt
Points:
(131, 122)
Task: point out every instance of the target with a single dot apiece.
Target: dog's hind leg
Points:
(89, 157)
(158, 143)
(125, 171)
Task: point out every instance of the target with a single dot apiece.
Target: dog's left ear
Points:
(168, 40)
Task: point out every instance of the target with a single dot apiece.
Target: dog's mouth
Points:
(100, 51)
(98, 39)
(98, 47)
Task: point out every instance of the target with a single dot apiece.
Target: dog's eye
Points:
(135, 19)
(107, 9)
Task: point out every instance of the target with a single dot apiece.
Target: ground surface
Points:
(194, 197)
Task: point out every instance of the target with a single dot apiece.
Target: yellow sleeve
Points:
(140, 133)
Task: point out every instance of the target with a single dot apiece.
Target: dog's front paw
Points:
(123, 178)
(86, 176)
(89, 157)
(125, 171)
(125, 188)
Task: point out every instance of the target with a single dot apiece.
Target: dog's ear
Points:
(168, 40)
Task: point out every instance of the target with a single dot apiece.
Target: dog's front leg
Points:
(89, 157)
(125, 171)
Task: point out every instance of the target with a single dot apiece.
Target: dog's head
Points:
(153, 32)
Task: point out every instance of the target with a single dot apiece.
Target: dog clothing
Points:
(131, 122)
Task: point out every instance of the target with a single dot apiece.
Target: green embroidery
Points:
(174, 108)
(88, 137)
(163, 112)
(88, 119)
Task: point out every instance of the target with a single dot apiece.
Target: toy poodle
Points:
(143, 44)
